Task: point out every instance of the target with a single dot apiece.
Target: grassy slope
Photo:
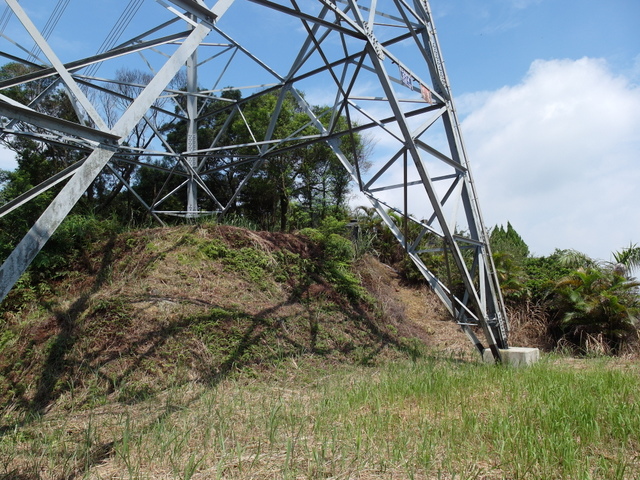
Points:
(163, 306)
(214, 352)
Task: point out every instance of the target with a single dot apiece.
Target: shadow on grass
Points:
(231, 340)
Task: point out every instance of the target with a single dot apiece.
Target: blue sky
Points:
(549, 97)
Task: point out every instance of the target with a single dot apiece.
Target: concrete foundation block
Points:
(516, 356)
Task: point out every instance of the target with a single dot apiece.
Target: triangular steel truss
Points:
(376, 64)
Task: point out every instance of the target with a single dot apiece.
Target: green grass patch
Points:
(431, 418)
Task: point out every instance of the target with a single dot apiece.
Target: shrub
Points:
(593, 302)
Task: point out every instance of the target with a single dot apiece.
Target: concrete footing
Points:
(516, 356)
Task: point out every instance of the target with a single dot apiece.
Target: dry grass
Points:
(430, 419)
(163, 357)
(154, 307)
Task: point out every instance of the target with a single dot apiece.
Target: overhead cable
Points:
(53, 20)
(116, 31)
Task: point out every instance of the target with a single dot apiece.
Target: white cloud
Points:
(557, 156)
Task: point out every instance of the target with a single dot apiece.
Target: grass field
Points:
(212, 352)
(434, 418)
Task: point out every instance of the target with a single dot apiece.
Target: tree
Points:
(37, 161)
(593, 302)
(297, 180)
(627, 259)
(509, 255)
(508, 241)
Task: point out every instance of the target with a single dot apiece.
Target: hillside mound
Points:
(144, 310)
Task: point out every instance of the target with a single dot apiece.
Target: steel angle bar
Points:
(384, 168)
(20, 47)
(157, 202)
(274, 116)
(307, 49)
(223, 71)
(135, 194)
(330, 139)
(185, 213)
(139, 38)
(193, 176)
(225, 127)
(470, 241)
(241, 185)
(437, 286)
(61, 205)
(374, 11)
(268, 137)
(158, 135)
(258, 143)
(50, 139)
(445, 177)
(35, 101)
(426, 226)
(440, 156)
(248, 54)
(187, 17)
(20, 60)
(227, 166)
(382, 123)
(429, 123)
(197, 10)
(87, 82)
(57, 64)
(38, 189)
(343, 95)
(374, 121)
(395, 186)
(454, 193)
(27, 115)
(419, 237)
(45, 72)
(472, 336)
(338, 27)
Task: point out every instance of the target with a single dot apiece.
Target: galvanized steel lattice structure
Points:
(376, 64)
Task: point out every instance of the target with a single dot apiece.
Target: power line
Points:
(116, 31)
(4, 20)
(53, 20)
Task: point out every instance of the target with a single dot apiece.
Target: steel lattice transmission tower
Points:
(376, 64)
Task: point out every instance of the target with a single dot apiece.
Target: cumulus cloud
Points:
(557, 156)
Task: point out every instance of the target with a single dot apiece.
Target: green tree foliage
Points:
(508, 241)
(585, 300)
(542, 274)
(297, 187)
(594, 302)
(510, 254)
(337, 256)
(37, 161)
(628, 258)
